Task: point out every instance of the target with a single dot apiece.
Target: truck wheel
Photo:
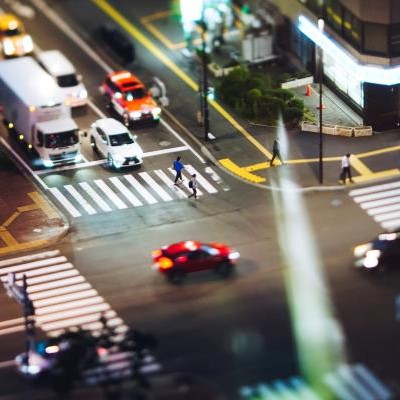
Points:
(224, 269)
(93, 144)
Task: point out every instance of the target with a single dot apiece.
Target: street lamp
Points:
(321, 74)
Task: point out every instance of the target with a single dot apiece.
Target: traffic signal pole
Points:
(29, 313)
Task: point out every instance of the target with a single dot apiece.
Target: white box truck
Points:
(34, 109)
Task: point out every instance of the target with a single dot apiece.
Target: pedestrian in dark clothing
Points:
(193, 186)
(178, 167)
(346, 172)
(276, 153)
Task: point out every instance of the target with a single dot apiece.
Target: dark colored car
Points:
(177, 260)
(382, 252)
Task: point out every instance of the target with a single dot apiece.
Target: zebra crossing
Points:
(348, 382)
(381, 202)
(122, 192)
(63, 299)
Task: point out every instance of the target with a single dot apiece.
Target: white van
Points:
(62, 70)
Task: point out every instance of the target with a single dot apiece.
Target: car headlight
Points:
(82, 94)
(48, 163)
(360, 250)
(118, 158)
(156, 111)
(8, 47)
(234, 255)
(27, 44)
(136, 114)
(371, 259)
(78, 158)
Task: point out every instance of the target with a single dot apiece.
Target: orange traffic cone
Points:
(308, 91)
(323, 107)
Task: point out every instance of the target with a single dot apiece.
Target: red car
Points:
(129, 98)
(179, 259)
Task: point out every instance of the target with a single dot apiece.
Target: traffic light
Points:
(210, 93)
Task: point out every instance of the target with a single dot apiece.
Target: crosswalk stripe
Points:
(15, 321)
(202, 181)
(390, 225)
(347, 375)
(53, 293)
(186, 185)
(68, 305)
(13, 329)
(333, 382)
(66, 297)
(383, 210)
(79, 198)
(33, 264)
(139, 187)
(52, 277)
(126, 192)
(41, 271)
(169, 182)
(384, 217)
(380, 203)
(155, 186)
(65, 202)
(27, 258)
(376, 196)
(380, 390)
(284, 391)
(96, 198)
(110, 194)
(372, 189)
(303, 389)
(56, 284)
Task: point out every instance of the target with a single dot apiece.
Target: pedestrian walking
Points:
(276, 153)
(178, 167)
(346, 172)
(193, 185)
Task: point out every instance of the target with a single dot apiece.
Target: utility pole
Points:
(321, 75)
(204, 84)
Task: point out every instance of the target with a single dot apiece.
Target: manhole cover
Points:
(164, 143)
(336, 202)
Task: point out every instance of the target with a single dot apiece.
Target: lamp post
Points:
(321, 74)
(204, 83)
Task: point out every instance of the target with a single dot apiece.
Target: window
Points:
(394, 40)
(352, 28)
(334, 15)
(120, 139)
(376, 38)
(67, 80)
(313, 5)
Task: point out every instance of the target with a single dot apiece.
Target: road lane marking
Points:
(383, 210)
(373, 189)
(170, 183)
(95, 197)
(379, 203)
(140, 189)
(155, 186)
(79, 198)
(41, 203)
(65, 202)
(66, 298)
(202, 181)
(376, 196)
(56, 308)
(110, 194)
(47, 294)
(165, 151)
(32, 264)
(359, 166)
(126, 192)
(40, 271)
(235, 169)
(393, 224)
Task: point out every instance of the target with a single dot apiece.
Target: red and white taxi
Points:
(129, 98)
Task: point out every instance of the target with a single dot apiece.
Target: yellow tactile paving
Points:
(359, 166)
(8, 239)
(11, 219)
(22, 246)
(377, 175)
(231, 166)
(41, 203)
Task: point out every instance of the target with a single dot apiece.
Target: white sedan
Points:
(112, 140)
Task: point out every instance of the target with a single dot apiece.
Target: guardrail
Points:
(297, 82)
(330, 129)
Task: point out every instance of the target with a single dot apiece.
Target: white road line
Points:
(165, 151)
(381, 391)
(169, 182)
(347, 375)
(383, 210)
(202, 181)
(52, 277)
(29, 257)
(337, 387)
(15, 321)
(379, 203)
(33, 264)
(68, 305)
(96, 198)
(55, 284)
(81, 165)
(391, 225)
(65, 202)
(140, 188)
(52, 294)
(7, 364)
(42, 271)
(376, 196)
(110, 194)
(7, 331)
(372, 189)
(97, 111)
(78, 197)
(304, 390)
(384, 217)
(155, 186)
(186, 184)
(65, 298)
(126, 192)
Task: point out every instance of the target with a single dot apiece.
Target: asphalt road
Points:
(232, 332)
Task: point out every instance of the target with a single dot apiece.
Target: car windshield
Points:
(67, 80)
(62, 139)
(209, 250)
(13, 32)
(120, 138)
(135, 94)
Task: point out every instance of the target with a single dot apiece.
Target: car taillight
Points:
(156, 253)
(165, 263)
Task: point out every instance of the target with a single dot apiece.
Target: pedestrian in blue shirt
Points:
(178, 167)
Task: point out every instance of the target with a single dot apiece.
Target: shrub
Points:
(296, 103)
(283, 94)
(253, 95)
(292, 115)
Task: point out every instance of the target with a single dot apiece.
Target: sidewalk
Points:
(27, 220)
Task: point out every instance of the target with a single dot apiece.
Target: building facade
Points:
(361, 50)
